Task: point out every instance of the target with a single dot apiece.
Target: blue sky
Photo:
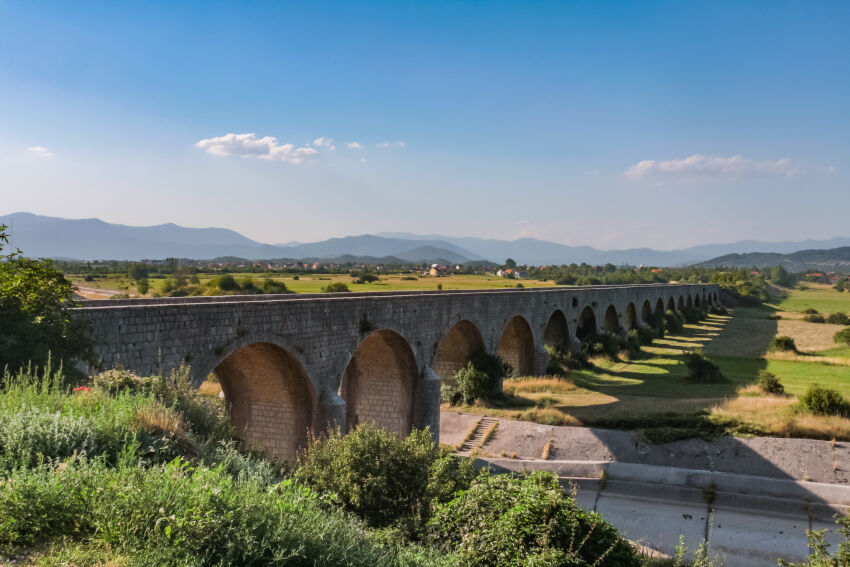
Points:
(612, 124)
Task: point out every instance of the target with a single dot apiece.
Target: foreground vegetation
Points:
(144, 471)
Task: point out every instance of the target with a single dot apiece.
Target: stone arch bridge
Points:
(291, 363)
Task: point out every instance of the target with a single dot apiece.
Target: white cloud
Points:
(354, 146)
(830, 169)
(384, 145)
(250, 146)
(362, 160)
(323, 142)
(43, 152)
(700, 167)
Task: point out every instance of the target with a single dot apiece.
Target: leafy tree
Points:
(780, 276)
(510, 263)
(35, 310)
(137, 272)
(142, 286)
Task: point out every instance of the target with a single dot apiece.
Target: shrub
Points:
(719, 310)
(385, 480)
(672, 323)
(769, 383)
(272, 286)
(783, 344)
(226, 283)
(524, 520)
(820, 555)
(824, 401)
(838, 319)
(118, 379)
(646, 335)
(693, 314)
(607, 344)
(702, 370)
(842, 336)
(633, 344)
(336, 287)
(560, 360)
(478, 380)
(814, 319)
(810, 311)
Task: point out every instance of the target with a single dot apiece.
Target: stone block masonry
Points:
(289, 363)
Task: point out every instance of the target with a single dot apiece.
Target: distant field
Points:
(652, 393)
(316, 283)
(821, 297)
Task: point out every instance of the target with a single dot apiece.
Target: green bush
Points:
(336, 287)
(719, 310)
(693, 314)
(226, 283)
(273, 286)
(824, 401)
(646, 335)
(783, 344)
(560, 361)
(633, 344)
(178, 514)
(814, 319)
(480, 379)
(838, 319)
(769, 383)
(604, 344)
(702, 370)
(842, 336)
(672, 323)
(525, 520)
(387, 481)
(810, 311)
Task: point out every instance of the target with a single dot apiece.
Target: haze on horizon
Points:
(619, 125)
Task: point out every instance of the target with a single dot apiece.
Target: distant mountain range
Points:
(832, 260)
(89, 239)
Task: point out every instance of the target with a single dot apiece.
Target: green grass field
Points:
(820, 297)
(316, 283)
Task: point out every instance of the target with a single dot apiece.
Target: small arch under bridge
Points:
(291, 363)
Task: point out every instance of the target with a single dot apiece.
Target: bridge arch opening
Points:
(659, 306)
(455, 349)
(586, 328)
(378, 383)
(611, 323)
(690, 302)
(631, 317)
(696, 300)
(269, 398)
(671, 305)
(557, 332)
(681, 304)
(646, 311)
(516, 347)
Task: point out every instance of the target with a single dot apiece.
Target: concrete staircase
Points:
(476, 440)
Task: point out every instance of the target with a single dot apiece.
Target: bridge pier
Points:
(426, 403)
(330, 413)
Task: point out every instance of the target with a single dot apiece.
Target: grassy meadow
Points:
(316, 283)
(652, 393)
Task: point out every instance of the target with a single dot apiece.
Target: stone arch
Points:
(690, 302)
(680, 306)
(516, 347)
(269, 397)
(611, 322)
(646, 311)
(455, 348)
(631, 317)
(659, 306)
(586, 328)
(379, 381)
(671, 305)
(557, 332)
(696, 300)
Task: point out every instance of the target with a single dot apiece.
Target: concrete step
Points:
(476, 440)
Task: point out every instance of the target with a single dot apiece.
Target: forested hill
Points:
(831, 260)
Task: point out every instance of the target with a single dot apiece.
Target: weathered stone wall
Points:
(319, 336)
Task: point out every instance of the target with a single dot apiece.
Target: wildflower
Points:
(82, 389)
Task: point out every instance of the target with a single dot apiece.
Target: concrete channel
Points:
(750, 520)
